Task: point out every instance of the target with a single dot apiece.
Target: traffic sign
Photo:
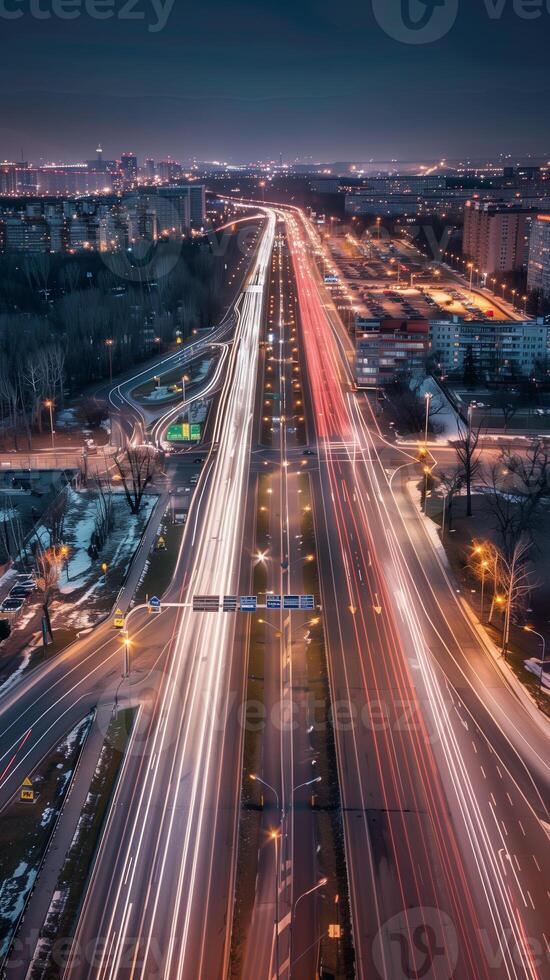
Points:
(27, 792)
(195, 432)
(291, 602)
(206, 603)
(248, 603)
(230, 603)
(307, 602)
(273, 601)
(154, 604)
(334, 931)
(161, 543)
(118, 621)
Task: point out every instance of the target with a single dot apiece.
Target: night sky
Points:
(243, 81)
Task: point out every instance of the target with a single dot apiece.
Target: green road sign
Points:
(195, 431)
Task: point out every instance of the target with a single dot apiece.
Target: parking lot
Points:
(380, 279)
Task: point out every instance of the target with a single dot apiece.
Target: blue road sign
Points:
(154, 604)
(307, 602)
(248, 603)
(273, 601)
(291, 602)
(230, 603)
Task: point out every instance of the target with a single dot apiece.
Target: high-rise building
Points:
(26, 234)
(496, 237)
(8, 179)
(169, 170)
(538, 275)
(150, 168)
(129, 168)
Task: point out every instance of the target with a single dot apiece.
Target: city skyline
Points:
(303, 81)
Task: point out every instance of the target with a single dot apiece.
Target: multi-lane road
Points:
(159, 903)
(444, 776)
(443, 773)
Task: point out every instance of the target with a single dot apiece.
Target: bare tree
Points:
(136, 469)
(452, 483)
(517, 580)
(468, 456)
(47, 578)
(518, 486)
(54, 518)
(104, 519)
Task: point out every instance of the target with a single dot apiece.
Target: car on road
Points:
(199, 460)
(309, 452)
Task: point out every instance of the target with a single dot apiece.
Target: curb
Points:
(515, 686)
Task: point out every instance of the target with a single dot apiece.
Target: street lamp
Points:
(257, 779)
(427, 473)
(320, 884)
(275, 838)
(109, 345)
(64, 552)
(428, 397)
(529, 629)
(49, 404)
(184, 378)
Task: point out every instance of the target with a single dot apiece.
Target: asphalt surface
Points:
(444, 776)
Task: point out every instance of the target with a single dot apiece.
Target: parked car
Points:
(11, 605)
(19, 592)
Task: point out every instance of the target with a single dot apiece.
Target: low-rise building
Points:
(497, 349)
(385, 349)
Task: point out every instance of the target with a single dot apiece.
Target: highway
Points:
(160, 881)
(152, 901)
(444, 777)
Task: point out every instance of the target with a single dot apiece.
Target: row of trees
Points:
(68, 321)
(516, 490)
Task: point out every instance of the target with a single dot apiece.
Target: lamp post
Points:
(257, 779)
(184, 378)
(109, 345)
(484, 567)
(529, 629)
(309, 891)
(428, 397)
(49, 405)
(275, 839)
(427, 472)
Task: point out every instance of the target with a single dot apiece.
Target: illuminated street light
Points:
(529, 629)
(49, 405)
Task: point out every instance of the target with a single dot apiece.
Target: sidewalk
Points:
(430, 529)
(39, 902)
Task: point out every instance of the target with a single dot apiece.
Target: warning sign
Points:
(27, 792)
(118, 621)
